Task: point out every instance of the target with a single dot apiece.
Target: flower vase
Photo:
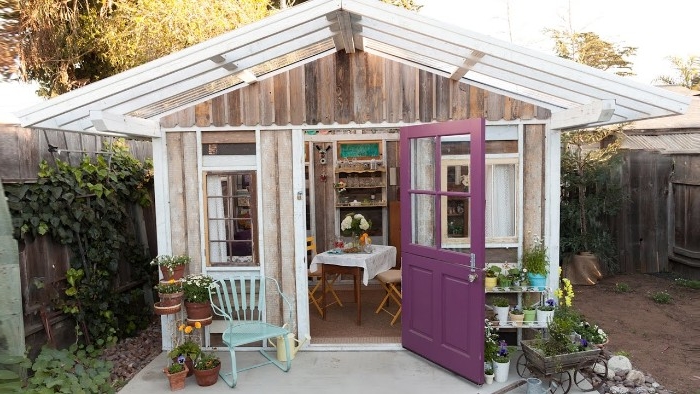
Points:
(517, 320)
(170, 299)
(505, 283)
(489, 379)
(544, 317)
(199, 312)
(500, 371)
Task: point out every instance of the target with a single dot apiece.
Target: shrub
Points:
(661, 297)
(77, 369)
(622, 287)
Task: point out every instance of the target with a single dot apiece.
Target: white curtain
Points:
(217, 224)
(500, 200)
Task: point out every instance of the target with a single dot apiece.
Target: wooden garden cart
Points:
(589, 368)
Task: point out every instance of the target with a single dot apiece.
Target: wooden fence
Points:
(657, 230)
(43, 262)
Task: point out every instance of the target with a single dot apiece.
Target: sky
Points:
(657, 28)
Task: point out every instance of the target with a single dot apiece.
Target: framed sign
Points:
(359, 150)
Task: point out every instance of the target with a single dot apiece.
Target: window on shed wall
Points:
(231, 231)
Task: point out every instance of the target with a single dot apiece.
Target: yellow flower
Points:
(188, 329)
(171, 281)
(181, 327)
(197, 325)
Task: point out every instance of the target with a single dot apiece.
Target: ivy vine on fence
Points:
(86, 207)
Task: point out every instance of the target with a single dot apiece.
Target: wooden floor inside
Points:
(340, 326)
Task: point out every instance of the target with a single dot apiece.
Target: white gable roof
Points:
(134, 100)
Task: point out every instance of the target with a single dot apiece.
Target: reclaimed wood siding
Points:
(184, 192)
(352, 88)
(278, 207)
(533, 179)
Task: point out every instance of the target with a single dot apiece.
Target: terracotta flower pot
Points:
(177, 380)
(170, 299)
(189, 364)
(178, 272)
(207, 377)
(198, 310)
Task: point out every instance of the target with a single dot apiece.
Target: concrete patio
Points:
(366, 371)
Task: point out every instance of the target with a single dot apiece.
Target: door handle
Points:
(473, 275)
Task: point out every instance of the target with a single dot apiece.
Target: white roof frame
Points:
(136, 99)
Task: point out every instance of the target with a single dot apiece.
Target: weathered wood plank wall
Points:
(642, 225)
(352, 88)
(684, 254)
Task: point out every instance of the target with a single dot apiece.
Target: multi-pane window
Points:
(231, 222)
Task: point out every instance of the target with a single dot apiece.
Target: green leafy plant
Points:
(661, 297)
(197, 287)
(689, 283)
(492, 271)
(491, 341)
(590, 193)
(11, 371)
(502, 354)
(534, 258)
(175, 368)
(488, 370)
(206, 361)
(78, 369)
(622, 287)
(500, 301)
(516, 311)
(187, 349)
(87, 207)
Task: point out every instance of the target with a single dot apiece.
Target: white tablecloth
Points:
(381, 259)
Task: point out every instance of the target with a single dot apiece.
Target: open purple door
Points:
(442, 244)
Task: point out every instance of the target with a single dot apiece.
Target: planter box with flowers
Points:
(196, 288)
(172, 267)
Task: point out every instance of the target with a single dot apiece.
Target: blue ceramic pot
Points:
(537, 280)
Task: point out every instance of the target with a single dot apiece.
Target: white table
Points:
(381, 258)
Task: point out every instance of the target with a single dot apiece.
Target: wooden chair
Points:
(391, 281)
(240, 300)
(315, 299)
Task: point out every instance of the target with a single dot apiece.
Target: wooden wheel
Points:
(521, 367)
(559, 382)
(591, 375)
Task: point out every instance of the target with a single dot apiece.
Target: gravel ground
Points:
(131, 355)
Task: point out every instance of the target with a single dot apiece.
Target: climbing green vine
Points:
(87, 208)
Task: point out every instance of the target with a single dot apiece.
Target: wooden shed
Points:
(252, 131)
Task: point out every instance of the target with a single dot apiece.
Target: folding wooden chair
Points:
(316, 275)
(391, 281)
(240, 300)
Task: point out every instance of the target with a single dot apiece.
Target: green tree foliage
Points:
(688, 70)
(589, 49)
(590, 192)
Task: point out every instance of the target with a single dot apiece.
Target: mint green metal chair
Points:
(241, 301)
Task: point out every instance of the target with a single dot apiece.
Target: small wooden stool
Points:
(391, 280)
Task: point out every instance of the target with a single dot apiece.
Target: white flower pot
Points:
(502, 314)
(489, 379)
(544, 317)
(500, 371)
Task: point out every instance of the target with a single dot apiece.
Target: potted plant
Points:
(501, 306)
(176, 374)
(529, 314)
(170, 294)
(516, 316)
(490, 344)
(491, 277)
(206, 368)
(501, 363)
(488, 374)
(545, 312)
(196, 288)
(172, 267)
(186, 352)
(536, 263)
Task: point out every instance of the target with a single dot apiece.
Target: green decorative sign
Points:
(354, 150)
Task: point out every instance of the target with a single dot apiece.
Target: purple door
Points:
(442, 244)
